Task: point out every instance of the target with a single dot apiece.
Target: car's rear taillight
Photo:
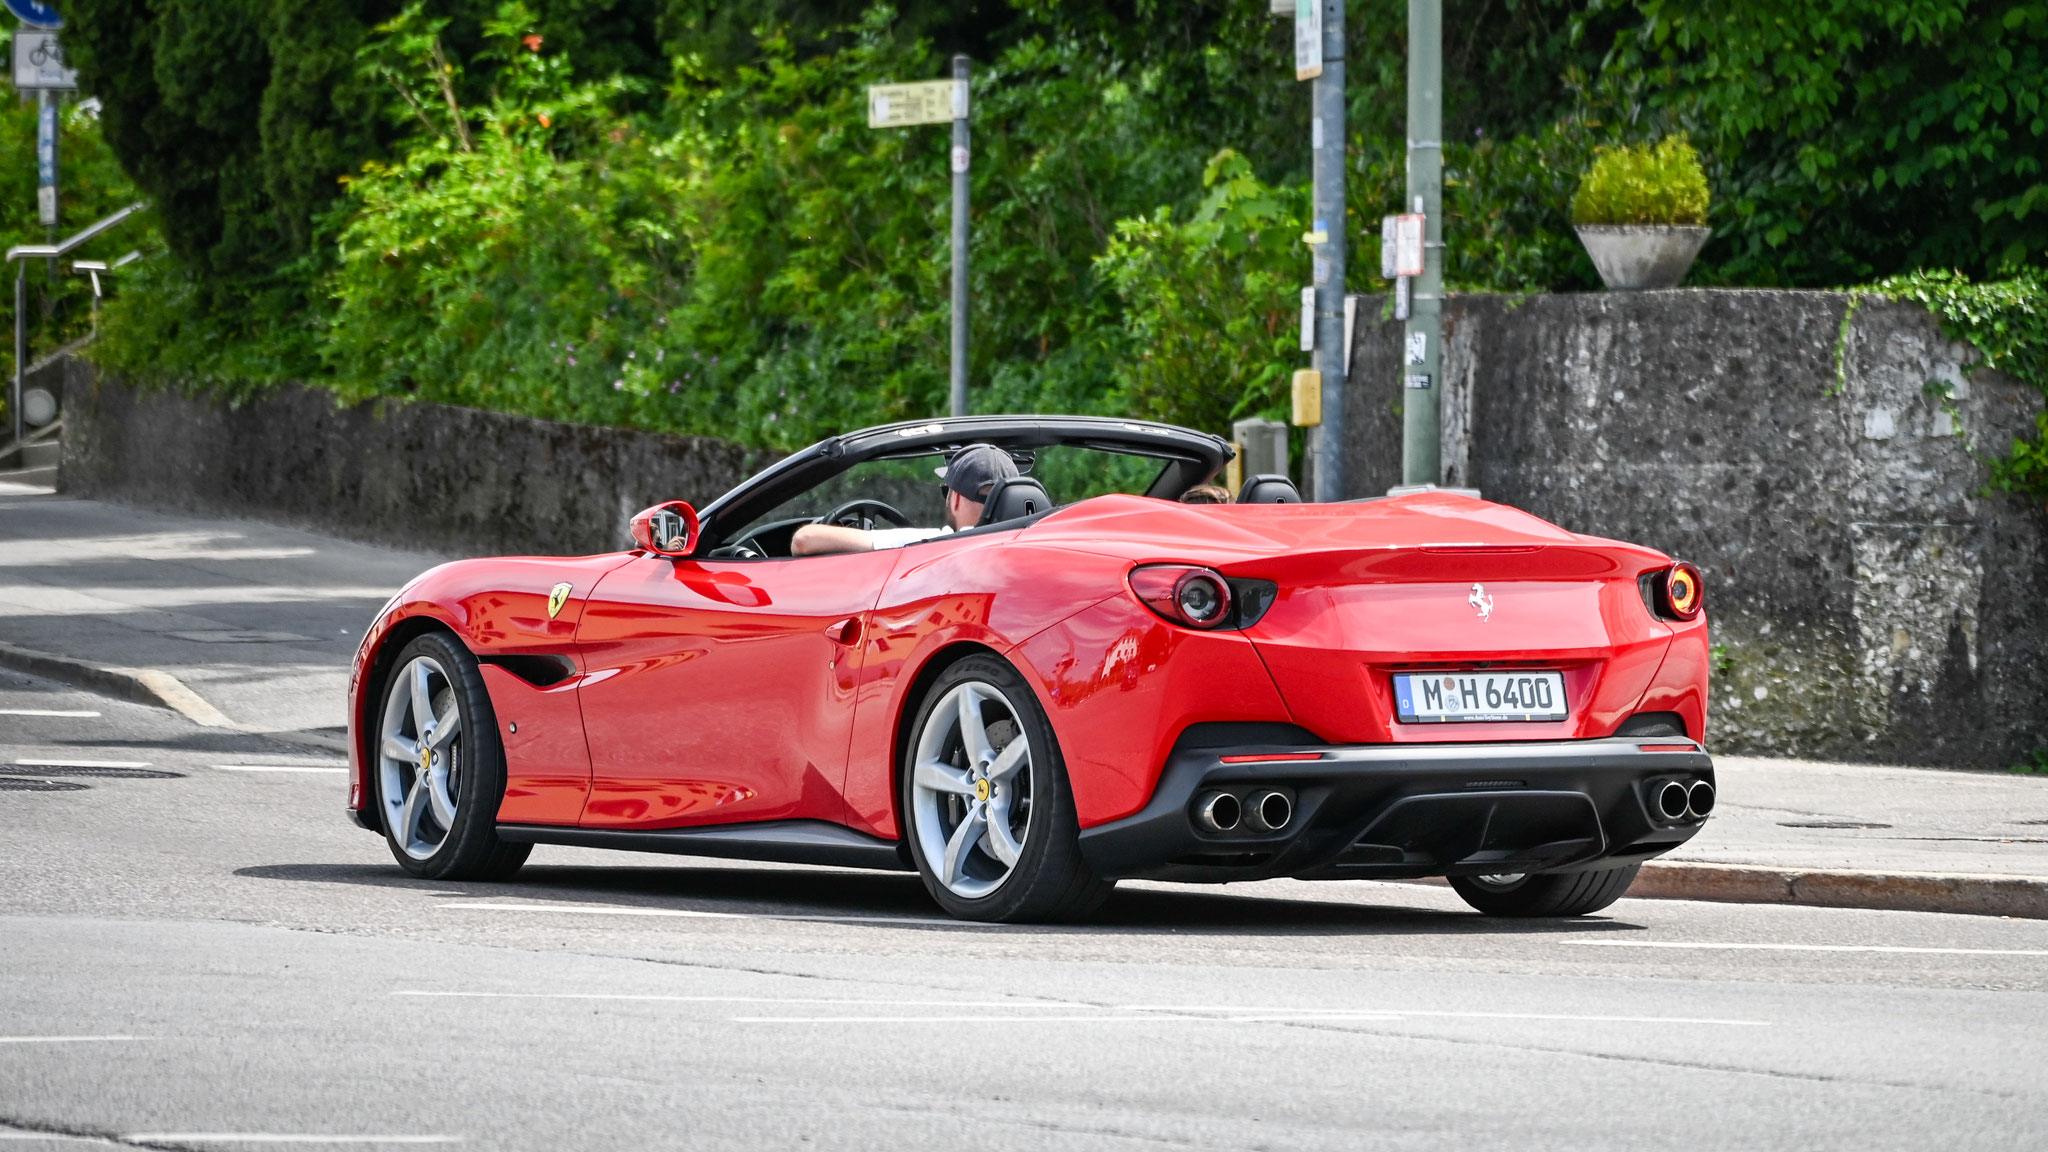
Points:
(1679, 592)
(1184, 594)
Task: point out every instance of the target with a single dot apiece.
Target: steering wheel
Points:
(863, 514)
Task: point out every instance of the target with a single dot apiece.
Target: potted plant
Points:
(1641, 212)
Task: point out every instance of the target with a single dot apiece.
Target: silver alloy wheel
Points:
(1502, 880)
(971, 789)
(419, 757)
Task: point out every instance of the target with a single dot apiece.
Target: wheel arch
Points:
(376, 674)
(913, 699)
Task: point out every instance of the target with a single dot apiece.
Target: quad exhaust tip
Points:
(1672, 799)
(1699, 800)
(1268, 811)
(1218, 811)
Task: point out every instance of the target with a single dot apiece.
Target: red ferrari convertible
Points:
(1093, 682)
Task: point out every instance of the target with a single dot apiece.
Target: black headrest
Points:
(1012, 497)
(1269, 489)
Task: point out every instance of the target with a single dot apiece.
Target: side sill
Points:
(782, 841)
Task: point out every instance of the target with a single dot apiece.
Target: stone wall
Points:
(1867, 602)
(421, 476)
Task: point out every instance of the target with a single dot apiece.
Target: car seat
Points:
(1013, 498)
(1269, 489)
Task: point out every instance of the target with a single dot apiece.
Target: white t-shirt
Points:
(898, 537)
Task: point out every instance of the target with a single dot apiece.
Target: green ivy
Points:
(2006, 321)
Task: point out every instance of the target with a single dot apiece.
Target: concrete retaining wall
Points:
(1867, 603)
(414, 475)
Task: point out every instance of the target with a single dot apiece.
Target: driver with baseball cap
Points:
(970, 475)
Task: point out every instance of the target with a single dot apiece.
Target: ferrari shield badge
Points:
(556, 598)
(1480, 600)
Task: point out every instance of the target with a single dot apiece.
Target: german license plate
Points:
(1478, 697)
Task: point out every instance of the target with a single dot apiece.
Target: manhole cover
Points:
(29, 784)
(105, 771)
(242, 636)
(1829, 824)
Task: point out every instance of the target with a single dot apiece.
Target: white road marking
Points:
(61, 1039)
(278, 768)
(1406, 1013)
(1250, 1016)
(68, 712)
(28, 763)
(737, 999)
(1886, 948)
(280, 1138)
(692, 913)
(1236, 1013)
(984, 1018)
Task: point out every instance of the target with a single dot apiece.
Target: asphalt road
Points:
(197, 951)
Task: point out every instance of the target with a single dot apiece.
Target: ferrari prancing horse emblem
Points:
(1480, 600)
(556, 598)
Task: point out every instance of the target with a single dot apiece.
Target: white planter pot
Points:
(1642, 255)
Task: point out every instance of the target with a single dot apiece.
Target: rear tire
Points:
(991, 825)
(1556, 894)
(440, 768)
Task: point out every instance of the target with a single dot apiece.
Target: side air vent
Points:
(539, 671)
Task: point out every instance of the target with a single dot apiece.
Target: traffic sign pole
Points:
(1329, 246)
(1422, 351)
(939, 102)
(961, 159)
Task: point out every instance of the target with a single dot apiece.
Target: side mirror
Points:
(666, 529)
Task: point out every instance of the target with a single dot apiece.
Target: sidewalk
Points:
(260, 623)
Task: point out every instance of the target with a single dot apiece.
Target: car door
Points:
(722, 690)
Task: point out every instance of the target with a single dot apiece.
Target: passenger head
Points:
(970, 475)
(1205, 494)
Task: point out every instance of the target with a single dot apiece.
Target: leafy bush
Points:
(1659, 183)
(1212, 304)
(1854, 139)
(90, 186)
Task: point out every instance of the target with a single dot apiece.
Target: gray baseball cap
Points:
(974, 470)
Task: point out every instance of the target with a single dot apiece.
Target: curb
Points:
(1969, 894)
(148, 686)
(122, 683)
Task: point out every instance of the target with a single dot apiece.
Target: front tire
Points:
(440, 767)
(986, 803)
(1537, 894)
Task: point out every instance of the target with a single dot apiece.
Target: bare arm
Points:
(819, 539)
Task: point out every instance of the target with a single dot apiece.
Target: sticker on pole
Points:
(1308, 39)
(903, 105)
(1408, 245)
(39, 62)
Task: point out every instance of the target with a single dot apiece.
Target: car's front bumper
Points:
(1407, 810)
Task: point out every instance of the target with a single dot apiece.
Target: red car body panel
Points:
(721, 690)
(497, 607)
(717, 691)
(1121, 685)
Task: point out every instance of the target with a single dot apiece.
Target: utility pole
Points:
(1328, 243)
(961, 158)
(1422, 351)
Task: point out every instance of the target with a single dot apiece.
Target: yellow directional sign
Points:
(901, 105)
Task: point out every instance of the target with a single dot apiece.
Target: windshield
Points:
(910, 486)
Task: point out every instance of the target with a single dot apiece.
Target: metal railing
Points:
(57, 251)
